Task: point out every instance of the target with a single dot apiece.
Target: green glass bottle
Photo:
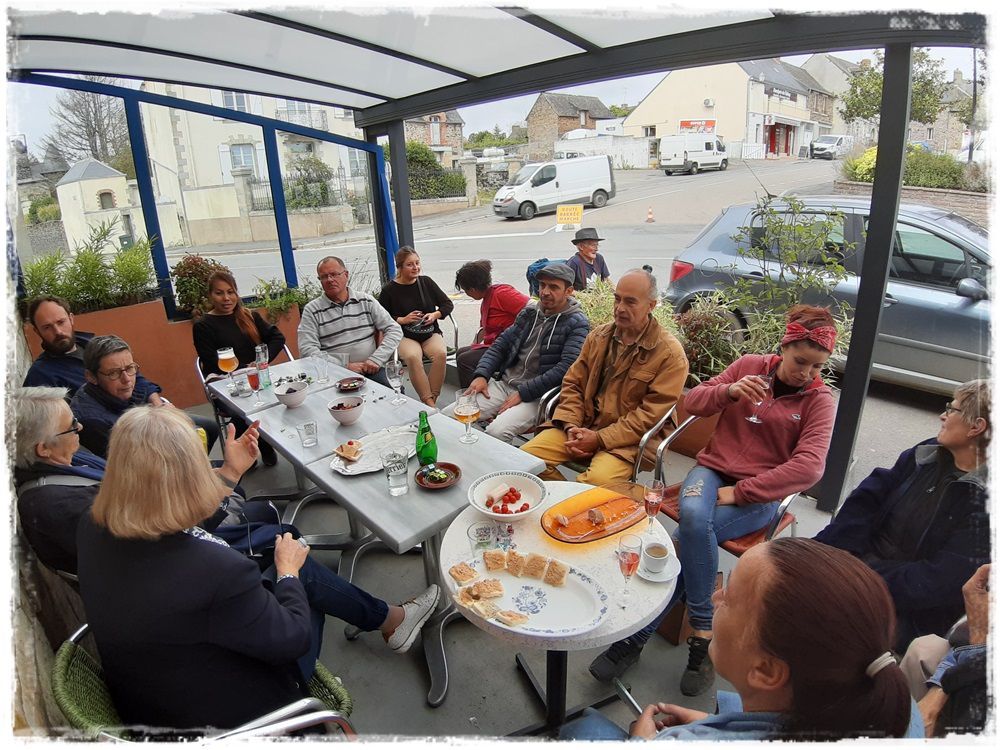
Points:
(427, 447)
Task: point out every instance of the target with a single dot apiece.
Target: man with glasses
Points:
(923, 525)
(60, 365)
(113, 385)
(348, 322)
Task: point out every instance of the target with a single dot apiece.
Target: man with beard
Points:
(60, 365)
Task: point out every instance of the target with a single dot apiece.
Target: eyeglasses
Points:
(117, 373)
(948, 409)
(74, 427)
(334, 275)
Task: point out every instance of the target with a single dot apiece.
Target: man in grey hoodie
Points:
(531, 356)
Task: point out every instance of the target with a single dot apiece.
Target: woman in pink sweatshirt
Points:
(746, 469)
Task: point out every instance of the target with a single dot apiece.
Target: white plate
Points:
(372, 445)
(669, 572)
(576, 607)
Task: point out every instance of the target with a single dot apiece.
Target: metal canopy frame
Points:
(779, 35)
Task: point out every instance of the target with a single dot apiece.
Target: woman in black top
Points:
(229, 324)
(417, 304)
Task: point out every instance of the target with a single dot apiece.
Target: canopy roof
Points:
(391, 64)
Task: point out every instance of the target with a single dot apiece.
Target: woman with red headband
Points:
(769, 442)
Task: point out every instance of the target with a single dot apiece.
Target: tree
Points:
(863, 100)
(621, 110)
(89, 125)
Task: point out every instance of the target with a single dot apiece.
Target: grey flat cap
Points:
(559, 271)
(587, 233)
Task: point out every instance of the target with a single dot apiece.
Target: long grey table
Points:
(399, 523)
(245, 404)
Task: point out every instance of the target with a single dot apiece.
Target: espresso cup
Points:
(654, 557)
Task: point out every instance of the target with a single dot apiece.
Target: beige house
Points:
(91, 193)
(215, 170)
(762, 107)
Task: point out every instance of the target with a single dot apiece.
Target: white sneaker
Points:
(416, 611)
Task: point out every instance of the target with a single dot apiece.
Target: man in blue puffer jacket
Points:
(531, 356)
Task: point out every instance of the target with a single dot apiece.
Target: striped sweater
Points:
(350, 327)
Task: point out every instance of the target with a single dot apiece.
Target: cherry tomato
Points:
(489, 502)
(515, 493)
(524, 507)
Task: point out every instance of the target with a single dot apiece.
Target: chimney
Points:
(957, 77)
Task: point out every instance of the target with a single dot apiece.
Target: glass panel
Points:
(76, 195)
(213, 197)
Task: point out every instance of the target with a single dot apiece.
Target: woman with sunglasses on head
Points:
(775, 420)
(803, 633)
(417, 303)
(228, 324)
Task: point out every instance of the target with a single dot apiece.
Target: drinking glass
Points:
(394, 460)
(757, 404)
(655, 492)
(228, 363)
(307, 434)
(253, 378)
(467, 412)
(322, 365)
(482, 536)
(629, 548)
(394, 374)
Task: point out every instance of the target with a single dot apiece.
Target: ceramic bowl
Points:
(532, 491)
(346, 409)
(292, 394)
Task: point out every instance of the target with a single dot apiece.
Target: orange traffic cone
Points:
(649, 216)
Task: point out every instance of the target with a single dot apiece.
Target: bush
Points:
(430, 183)
(921, 169)
(598, 303)
(43, 275)
(38, 203)
(88, 280)
(277, 298)
(711, 337)
(49, 212)
(976, 178)
(133, 274)
(191, 282)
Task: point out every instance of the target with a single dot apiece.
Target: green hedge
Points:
(922, 169)
(436, 184)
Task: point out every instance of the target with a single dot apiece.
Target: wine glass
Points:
(253, 378)
(394, 374)
(655, 492)
(629, 547)
(228, 363)
(467, 412)
(757, 404)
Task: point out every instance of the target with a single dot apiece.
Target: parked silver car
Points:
(935, 330)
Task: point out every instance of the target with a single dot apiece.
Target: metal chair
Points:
(83, 697)
(781, 520)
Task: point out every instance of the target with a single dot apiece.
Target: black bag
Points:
(420, 331)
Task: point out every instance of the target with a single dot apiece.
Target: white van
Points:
(692, 152)
(543, 186)
(831, 146)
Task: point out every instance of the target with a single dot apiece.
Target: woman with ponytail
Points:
(803, 633)
(229, 324)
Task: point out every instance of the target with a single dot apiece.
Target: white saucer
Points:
(669, 572)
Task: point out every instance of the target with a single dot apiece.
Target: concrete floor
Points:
(487, 695)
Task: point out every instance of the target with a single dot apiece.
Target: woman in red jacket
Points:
(776, 416)
(500, 305)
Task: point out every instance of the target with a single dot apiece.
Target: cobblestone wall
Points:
(47, 237)
(975, 206)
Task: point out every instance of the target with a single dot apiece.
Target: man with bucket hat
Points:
(587, 262)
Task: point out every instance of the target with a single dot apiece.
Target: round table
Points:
(597, 559)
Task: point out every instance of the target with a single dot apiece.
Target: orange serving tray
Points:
(624, 510)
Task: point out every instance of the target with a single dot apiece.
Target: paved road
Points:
(894, 418)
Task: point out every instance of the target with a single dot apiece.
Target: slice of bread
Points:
(556, 573)
(485, 608)
(495, 559)
(489, 588)
(349, 451)
(515, 563)
(513, 619)
(535, 565)
(464, 597)
(462, 573)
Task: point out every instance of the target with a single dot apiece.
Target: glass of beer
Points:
(467, 412)
(228, 363)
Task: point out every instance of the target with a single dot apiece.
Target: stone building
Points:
(441, 131)
(552, 115)
(947, 132)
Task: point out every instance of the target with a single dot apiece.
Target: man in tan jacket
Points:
(629, 373)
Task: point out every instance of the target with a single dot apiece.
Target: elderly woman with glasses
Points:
(924, 525)
(111, 389)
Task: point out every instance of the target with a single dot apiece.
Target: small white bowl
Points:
(350, 415)
(532, 491)
(292, 394)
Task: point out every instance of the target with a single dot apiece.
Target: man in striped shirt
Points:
(351, 323)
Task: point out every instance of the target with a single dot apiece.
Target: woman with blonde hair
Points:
(189, 632)
(417, 303)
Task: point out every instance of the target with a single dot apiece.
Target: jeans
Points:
(703, 525)
(379, 377)
(593, 725)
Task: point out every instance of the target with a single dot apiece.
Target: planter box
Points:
(164, 348)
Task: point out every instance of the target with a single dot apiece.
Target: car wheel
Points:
(724, 165)
(600, 199)
(527, 211)
(694, 168)
(668, 173)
